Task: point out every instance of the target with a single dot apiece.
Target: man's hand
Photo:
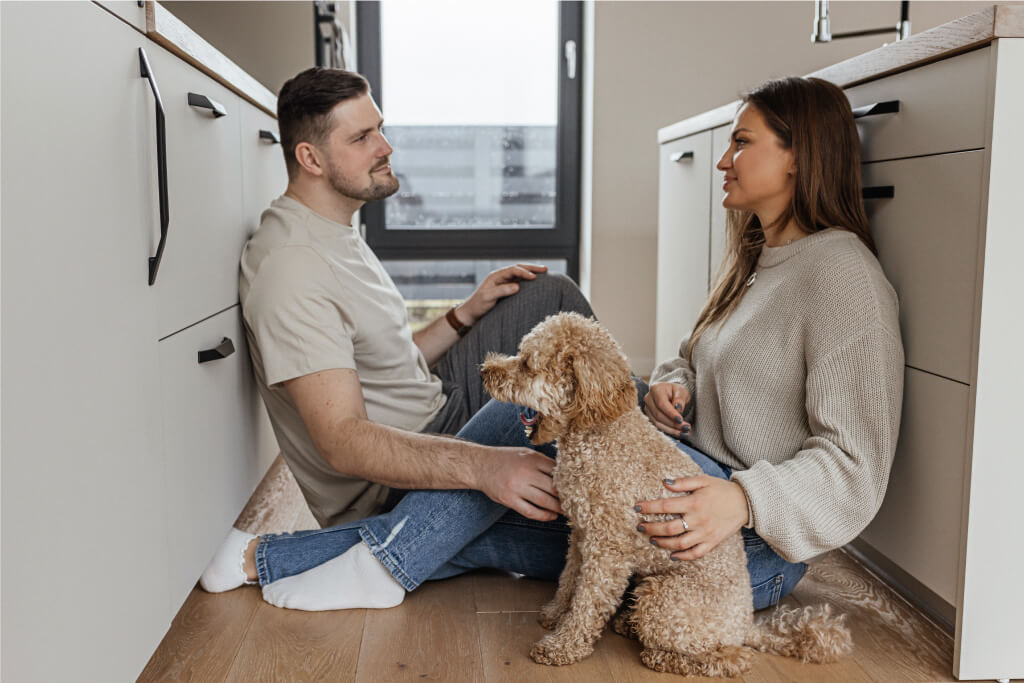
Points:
(664, 405)
(520, 479)
(497, 285)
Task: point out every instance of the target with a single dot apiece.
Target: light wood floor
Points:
(479, 627)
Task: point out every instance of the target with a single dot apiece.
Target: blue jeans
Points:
(433, 535)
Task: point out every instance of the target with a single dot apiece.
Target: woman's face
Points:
(759, 172)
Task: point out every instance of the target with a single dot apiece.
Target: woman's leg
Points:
(771, 577)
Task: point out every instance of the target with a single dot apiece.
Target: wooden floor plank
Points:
(291, 645)
(431, 636)
(204, 637)
(893, 641)
(507, 611)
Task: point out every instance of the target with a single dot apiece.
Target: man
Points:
(349, 387)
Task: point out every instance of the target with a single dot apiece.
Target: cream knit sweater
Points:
(800, 391)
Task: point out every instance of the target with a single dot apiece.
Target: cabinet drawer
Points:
(918, 525)
(211, 450)
(198, 274)
(264, 177)
(942, 109)
(683, 233)
(927, 238)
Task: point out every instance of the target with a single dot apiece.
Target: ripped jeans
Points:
(432, 535)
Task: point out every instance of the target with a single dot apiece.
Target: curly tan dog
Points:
(694, 617)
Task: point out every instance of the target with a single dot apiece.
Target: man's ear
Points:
(308, 157)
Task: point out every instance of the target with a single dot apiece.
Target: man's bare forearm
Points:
(401, 459)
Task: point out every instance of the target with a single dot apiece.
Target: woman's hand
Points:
(664, 406)
(714, 510)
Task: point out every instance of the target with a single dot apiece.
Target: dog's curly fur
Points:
(692, 618)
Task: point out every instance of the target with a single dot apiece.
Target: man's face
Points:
(357, 155)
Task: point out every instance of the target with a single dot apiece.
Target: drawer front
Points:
(942, 109)
(198, 274)
(927, 238)
(918, 525)
(719, 143)
(212, 453)
(264, 177)
(683, 232)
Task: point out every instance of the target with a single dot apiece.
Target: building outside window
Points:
(481, 103)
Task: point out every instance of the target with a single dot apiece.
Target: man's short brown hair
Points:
(304, 107)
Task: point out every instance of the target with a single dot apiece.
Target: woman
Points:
(791, 379)
(793, 373)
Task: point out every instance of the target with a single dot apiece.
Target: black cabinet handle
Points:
(222, 350)
(888, 107)
(270, 136)
(203, 102)
(161, 161)
(679, 156)
(880, 192)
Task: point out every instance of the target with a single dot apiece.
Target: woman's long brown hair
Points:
(812, 117)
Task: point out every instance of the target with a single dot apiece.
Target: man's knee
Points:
(558, 289)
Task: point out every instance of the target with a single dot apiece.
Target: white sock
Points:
(225, 569)
(354, 579)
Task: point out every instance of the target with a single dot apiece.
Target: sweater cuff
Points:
(750, 508)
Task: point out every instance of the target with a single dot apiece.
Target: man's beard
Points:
(371, 193)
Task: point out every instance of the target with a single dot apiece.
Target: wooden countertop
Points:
(960, 35)
(166, 29)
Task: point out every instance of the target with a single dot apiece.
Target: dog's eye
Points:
(523, 364)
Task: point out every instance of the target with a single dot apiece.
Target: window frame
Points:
(559, 242)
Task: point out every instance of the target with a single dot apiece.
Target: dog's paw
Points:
(623, 623)
(555, 652)
(549, 616)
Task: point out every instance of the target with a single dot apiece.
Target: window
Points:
(481, 103)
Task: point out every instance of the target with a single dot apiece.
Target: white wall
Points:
(656, 63)
(272, 41)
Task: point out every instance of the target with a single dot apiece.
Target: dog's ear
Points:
(604, 387)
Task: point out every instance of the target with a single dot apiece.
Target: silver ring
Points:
(686, 527)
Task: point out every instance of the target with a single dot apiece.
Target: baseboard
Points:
(909, 588)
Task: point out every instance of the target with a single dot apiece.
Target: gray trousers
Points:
(500, 331)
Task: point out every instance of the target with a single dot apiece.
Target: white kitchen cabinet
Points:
(949, 240)
(124, 459)
(264, 177)
(719, 145)
(684, 207)
(205, 189)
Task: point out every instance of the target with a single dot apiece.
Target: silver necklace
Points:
(753, 276)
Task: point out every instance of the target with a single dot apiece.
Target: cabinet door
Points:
(927, 237)
(918, 525)
(199, 272)
(212, 455)
(84, 591)
(128, 11)
(683, 239)
(264, 177)
(719, 143)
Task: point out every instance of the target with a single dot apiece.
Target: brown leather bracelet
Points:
(456, 324)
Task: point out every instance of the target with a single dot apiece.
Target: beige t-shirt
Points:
(315, 297)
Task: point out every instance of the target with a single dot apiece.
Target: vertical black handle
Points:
(161, 161)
